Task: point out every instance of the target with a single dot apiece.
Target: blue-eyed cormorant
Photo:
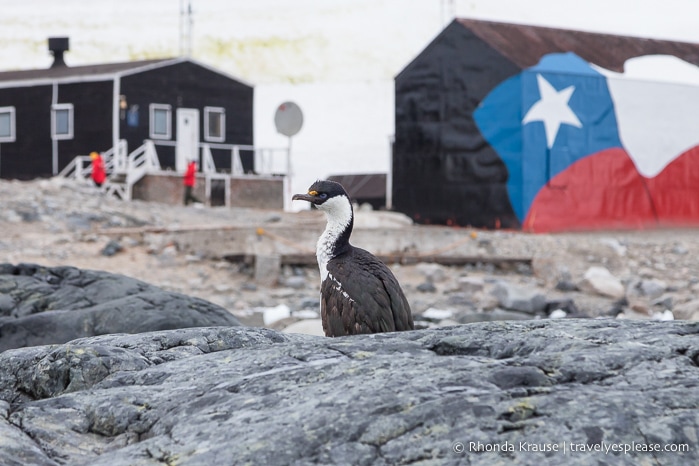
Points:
(358, 293)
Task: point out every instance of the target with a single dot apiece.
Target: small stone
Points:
(518, 298)
(665, 315)
(687, 311)
(664, 302)
(437, 314)
(680, 249)
(169, 251)
(567, 305)
(431, 272)
(273, 314)
(600, 281)
(639, 306)
(471, 284)
(129, 241)
(297, 282)
(12, 216)
(566, 285)
(247, 286)
(461, 300)
(652, 288)
(426, 287)
(112, 248)
(309, 303)
(615, 245)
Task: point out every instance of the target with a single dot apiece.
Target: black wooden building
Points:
(445, 170)
(49, 116)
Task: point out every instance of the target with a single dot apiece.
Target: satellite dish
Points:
(288, 119)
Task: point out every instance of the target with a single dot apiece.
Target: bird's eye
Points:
(323, 195)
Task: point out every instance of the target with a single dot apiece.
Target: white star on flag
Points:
(552, 109)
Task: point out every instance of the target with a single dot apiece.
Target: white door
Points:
(187, 137)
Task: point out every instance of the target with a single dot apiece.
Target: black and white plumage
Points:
(358, 293)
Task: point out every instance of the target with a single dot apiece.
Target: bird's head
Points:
(330, 197)
(322, 192)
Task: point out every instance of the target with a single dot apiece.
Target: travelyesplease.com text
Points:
(568, 447)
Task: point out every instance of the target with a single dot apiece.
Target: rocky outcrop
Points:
(544, 392)
(42, 305)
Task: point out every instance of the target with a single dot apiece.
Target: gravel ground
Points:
(59, 222)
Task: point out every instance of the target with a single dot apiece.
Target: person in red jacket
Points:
(98, 172)
(190, 177)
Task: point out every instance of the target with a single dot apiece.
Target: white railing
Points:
(272, 161)
(141, 161)
(115, 159)
(266, 160)
(80, 168)
(132, 167)
(236, 163)
(207, 160)
(119, 190)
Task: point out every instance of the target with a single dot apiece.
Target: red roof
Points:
(525, 45)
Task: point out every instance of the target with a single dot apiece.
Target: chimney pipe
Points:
(57, 46)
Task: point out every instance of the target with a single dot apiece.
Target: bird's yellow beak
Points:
(310, 197)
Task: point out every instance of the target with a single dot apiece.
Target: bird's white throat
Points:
(338, 211)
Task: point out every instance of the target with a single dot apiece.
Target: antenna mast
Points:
(186, 23)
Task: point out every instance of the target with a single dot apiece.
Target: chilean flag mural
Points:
(589, 148)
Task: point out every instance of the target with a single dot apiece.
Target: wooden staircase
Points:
(123, 169)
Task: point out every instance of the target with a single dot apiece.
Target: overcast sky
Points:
(303, 40)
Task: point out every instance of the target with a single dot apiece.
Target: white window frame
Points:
(13, 129)
(168, 121)
(207, 135)
(59, 107)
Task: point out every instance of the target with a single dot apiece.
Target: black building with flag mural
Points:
(49, 116)
(465, 149)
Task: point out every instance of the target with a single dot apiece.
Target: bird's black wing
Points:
(361, 295)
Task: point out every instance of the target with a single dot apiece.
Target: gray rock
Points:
(55, 305)
(111, 248)
(432, 272)
(7, 303)
(600, 281)
(249, 286)
(664, 302)
(435, 315)
(680, 249)
(652, 288)
(459, 301)
(471, 284)
(295, 282)
(566, 285)
(565, 304)
(254, 396)
(688, 310)
(426, 287)
(491, 316)
(517, 298)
